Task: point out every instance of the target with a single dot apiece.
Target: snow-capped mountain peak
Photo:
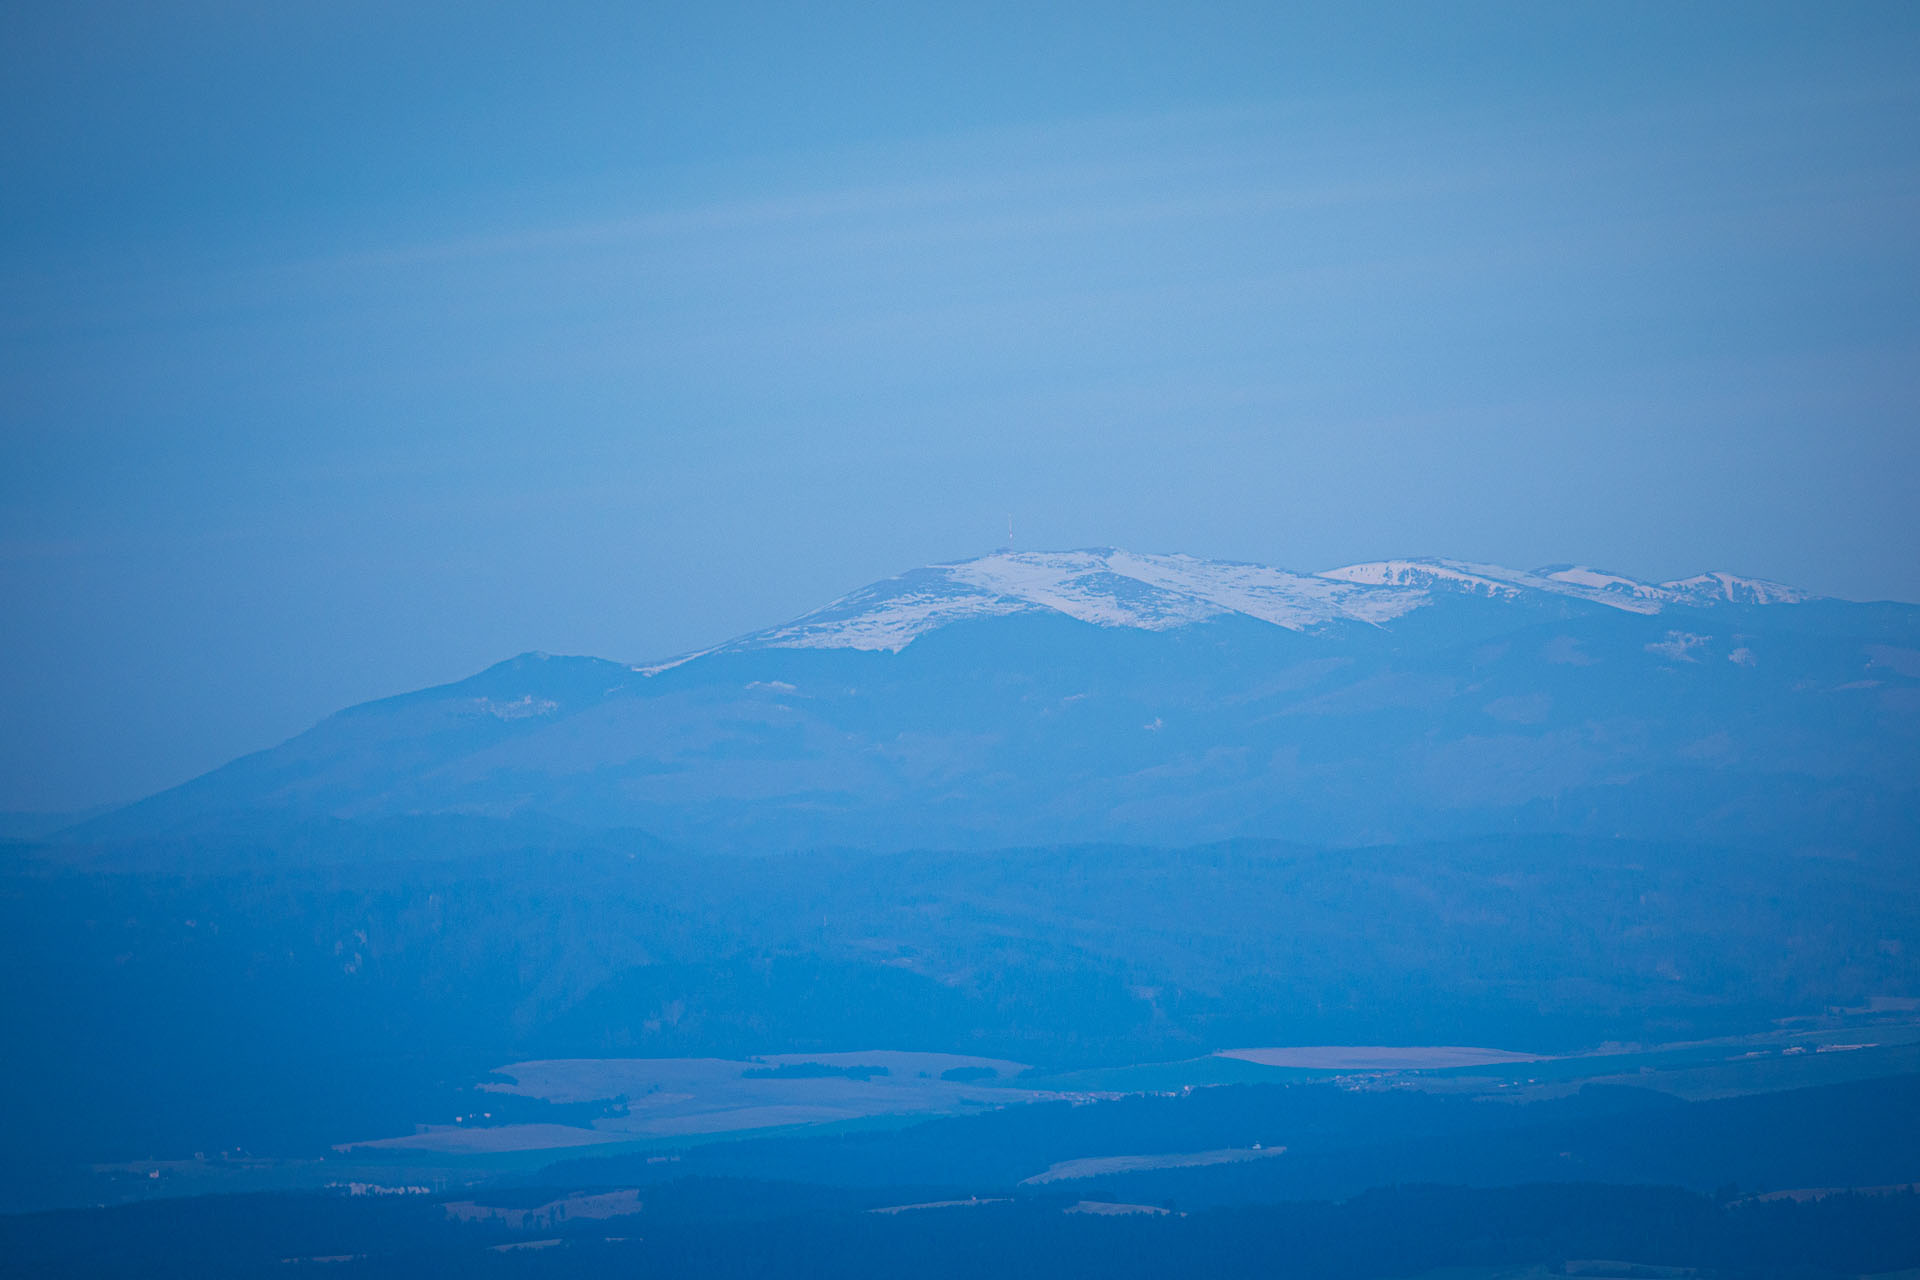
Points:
(1109, 587)
(1102, 586)
(1728, 588)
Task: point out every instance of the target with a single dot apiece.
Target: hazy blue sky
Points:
(351, 347)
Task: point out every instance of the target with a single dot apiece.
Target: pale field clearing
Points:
(454, 1139)
(1802, 1195)
(608, 1204)
(1583, 1268)
(677, 1097)
(1535, 1271)
(1100, 1166)
(1103, 1209)
(686, 1097)
(1375, 1057)
(592, 1079)
(939, 1204)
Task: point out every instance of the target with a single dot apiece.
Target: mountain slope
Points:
(1103, 695)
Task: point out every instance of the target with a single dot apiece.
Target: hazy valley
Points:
(792, 932)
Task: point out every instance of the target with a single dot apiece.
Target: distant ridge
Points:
(1110, 587)
(1103, 695)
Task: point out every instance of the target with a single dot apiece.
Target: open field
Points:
(1097, 1166)
(574, 1208)
(657, 1109)
(969, 1203)
(680, 1097)
(1110, 1209)
(1373, 1057)
(453, 1139)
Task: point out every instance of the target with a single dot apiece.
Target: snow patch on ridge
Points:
(1609, 584)
(1105, 588)
(1421, 574)
(1499, 582)
(1090, 586)
(888, 623)
(1291, 600)
(1111, 588)
(1729, 588)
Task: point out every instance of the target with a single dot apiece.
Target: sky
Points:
(349, 348)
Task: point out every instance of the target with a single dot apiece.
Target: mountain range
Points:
(1103, 695)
